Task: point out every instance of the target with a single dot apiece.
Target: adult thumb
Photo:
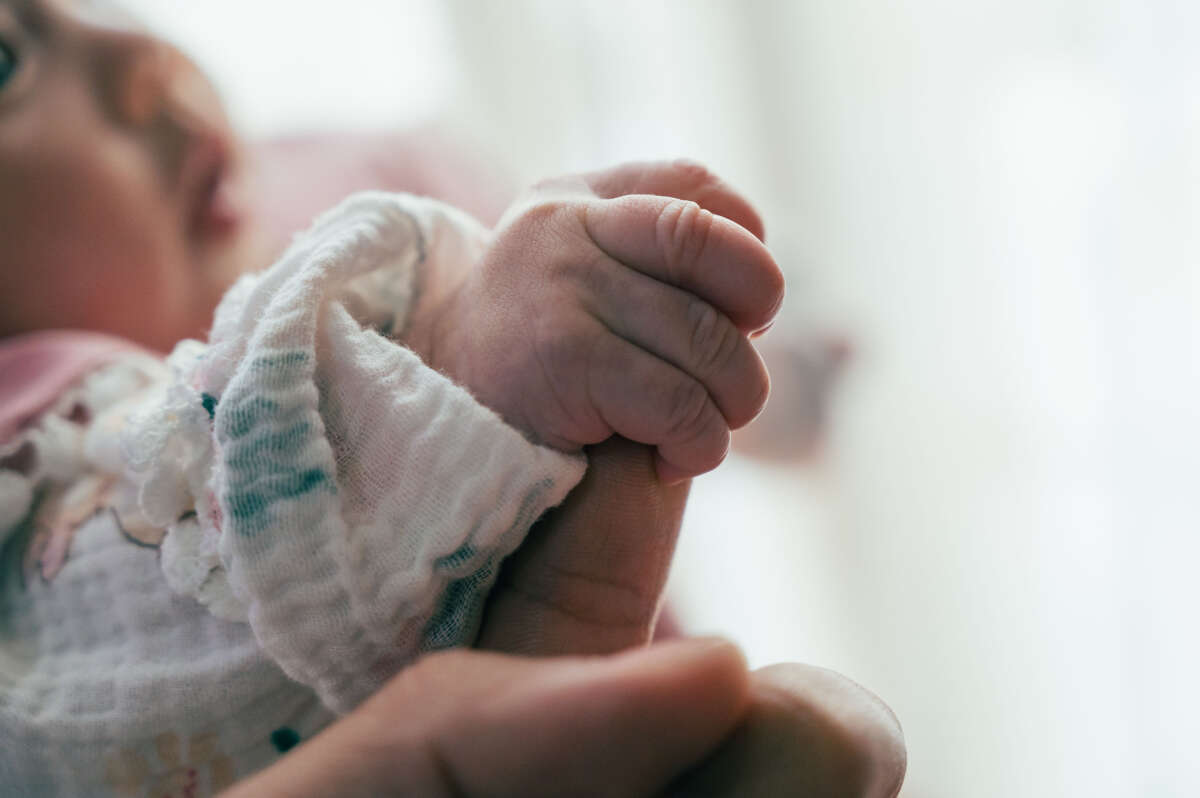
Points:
(468, 723)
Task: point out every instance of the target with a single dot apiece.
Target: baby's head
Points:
(118, 173)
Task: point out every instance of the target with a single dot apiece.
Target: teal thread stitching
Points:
(265, 443)
(455, 559)
(461, 605)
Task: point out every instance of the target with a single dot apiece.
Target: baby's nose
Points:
(119, 62)
(139, 83)
(150, 80)
(132, 69)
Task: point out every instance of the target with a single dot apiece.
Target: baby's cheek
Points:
(78, 252)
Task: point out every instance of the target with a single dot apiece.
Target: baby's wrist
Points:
(430, 334)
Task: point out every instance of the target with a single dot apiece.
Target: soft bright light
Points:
(284, 66)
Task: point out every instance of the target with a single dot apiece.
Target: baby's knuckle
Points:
(563, 360)
(713, 338)
(541, 215)
(686, 409)
(589, 272)
(433, 672)
(556, 274)
(683, 229)
(558, 346)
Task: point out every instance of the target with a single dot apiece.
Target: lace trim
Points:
(74, 438)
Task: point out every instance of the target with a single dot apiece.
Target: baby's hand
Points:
(619, 302)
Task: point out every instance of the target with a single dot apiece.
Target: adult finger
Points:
(683, 179)
(680, 243)
(811, 732)
(589, 577)
(467, 723)
(685, 331)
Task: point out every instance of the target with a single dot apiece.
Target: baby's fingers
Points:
(678, 242)
(685, 331)
(682, 179)
(650, 401)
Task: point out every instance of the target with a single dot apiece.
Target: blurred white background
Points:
(999, 203)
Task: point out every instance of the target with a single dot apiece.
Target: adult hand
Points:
(682, 718)
(675, 719)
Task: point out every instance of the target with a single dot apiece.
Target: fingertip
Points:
(775, 295)
(741, 213)
(580, 716)
(860, 737)
(669, 474)
(712, 454)
(761, 282)
(719, 196)
(695, 690)
(775, 292)
(718, 653)
(753, 223)
(712, 670)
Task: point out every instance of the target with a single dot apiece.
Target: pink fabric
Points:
(298, 177)
(36, 368)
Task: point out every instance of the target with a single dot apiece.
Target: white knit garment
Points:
(332, 508)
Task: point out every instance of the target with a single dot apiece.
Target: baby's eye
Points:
(8, 63)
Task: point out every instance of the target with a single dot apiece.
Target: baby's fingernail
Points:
(763, 331)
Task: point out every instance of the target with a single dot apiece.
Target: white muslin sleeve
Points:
(322, 483)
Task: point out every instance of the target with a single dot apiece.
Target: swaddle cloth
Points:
(359, 501)
(292, 511)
